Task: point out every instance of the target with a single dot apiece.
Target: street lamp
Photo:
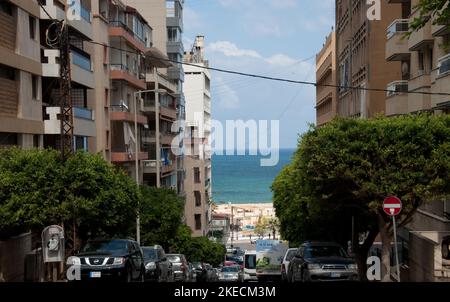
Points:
(136, 151)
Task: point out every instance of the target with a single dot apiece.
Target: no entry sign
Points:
(392, 206)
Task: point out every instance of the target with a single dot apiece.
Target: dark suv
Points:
(157, 266)
(118, 259)
(322, 261)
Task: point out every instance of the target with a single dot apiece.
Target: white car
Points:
(285, 264)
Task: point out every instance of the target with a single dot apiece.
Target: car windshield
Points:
(105, 247)
(250, 261)
(231, 269)
(324, 251)
(174, 258)
(149, 254)
(290, 254)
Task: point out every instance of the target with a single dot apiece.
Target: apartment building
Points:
(326, 101)
(424, 67)
(21, 122)
(360, 51)
(82, 76)
(197, 89)
(162, 104)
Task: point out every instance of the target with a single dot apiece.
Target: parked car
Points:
(230, 263)
(285, 264)
(322, 261)
(211, 274)
(157, 266)
(118, 259)
(179, 267)
(250, 266)
(231, 274)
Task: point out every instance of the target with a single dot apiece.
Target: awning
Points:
(156, 58)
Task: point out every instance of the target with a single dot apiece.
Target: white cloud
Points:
(230, 49)
(281, 60)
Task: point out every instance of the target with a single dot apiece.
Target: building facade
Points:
(197, 88)
(21, 118)
(360, 51)
(326, 102)
(424, 67)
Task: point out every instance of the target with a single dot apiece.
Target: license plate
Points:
(95, 274)
(335, 275)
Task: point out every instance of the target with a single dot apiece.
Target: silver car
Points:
(231, 274)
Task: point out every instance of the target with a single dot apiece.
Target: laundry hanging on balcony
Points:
(129, 139)
(165, 157)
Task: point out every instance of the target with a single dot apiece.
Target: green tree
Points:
(348, 167)
(85, 194)
(261, 227)
(437, 10)
(161, 213)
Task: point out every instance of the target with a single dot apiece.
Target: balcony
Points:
(126, 154)
(422, 37)
(83, 120)
(420, 82)
(167, 138)
(165, 168)
(120, 113)
(175, 46)
(149, 136)
(163, 81)
(81, 66)
(120, 29)
(397, 98)
(175, 73)
(123, 73)
(397, 43)
(439, 30)
(442, 81)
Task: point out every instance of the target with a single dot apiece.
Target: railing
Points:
(81, 60)
(83, 113)
(444, 65)
(398, 26)
(119, 108)
(120, 67)
(118, 23)
(85, 14)
(397, 87)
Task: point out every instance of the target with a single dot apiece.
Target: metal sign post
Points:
(392, 206)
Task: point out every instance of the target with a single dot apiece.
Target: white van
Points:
(250, 266)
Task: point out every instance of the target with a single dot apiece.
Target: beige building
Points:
(424, 67)
(326, 102)
(198, 187)
(361, 62)
(21, 122)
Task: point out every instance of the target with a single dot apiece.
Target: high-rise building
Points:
(161, 103)
(326, 103)
(360, 51)
(21, 120)
(197, 89)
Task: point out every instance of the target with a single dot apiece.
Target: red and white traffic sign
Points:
(392, 206)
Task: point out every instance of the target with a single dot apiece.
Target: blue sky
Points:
(269, 37)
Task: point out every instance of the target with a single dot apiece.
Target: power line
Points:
(245, 74)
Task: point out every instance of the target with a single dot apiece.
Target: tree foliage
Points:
(348, 167)
(36, 190)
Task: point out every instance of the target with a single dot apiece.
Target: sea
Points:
(242, 180)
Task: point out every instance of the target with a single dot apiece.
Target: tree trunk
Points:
(386, 239)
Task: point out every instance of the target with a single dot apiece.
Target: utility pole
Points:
(66, 135)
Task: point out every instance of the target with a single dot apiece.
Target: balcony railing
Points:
(397, 87)
(83, 113)
(85, 14)
(398, 26)
(444, 65)
(81, 60)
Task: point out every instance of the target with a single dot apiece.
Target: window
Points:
(36, 140)
(7, 73)
(430, 58)
(421, 62)
(197, 175)
(6, 8)
(106, 97)
(34, 87)
(198, 222)
(32, 24)
(172, 34)
(198, 198)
